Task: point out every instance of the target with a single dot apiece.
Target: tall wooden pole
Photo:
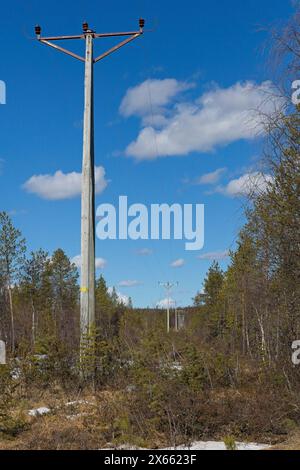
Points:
(87, 300)
(87, 294)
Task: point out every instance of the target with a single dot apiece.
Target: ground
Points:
(76, 422)
(292, 443)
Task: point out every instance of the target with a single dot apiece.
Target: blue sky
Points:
(178, 136)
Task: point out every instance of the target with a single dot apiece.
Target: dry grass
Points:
(292, 443)
(81, 422)
(101, 420)
(68, 426)
(53, 433)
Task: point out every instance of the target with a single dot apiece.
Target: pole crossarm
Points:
(118, 46)
(109, 35)
(47, 40)
(62, 49)
(61, 38)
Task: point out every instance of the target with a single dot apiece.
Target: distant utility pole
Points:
(168, 286)
(87, 298)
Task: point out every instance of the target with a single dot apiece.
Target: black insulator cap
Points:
(85, 26)
(38, 30)
(142, 23)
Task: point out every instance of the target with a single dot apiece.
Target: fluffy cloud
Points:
(124, 299)
(150, 97)
(214, 255)
(178, 263)
(246, 185)
(2, 92)
(164, 303)
(217, 118)
(129, 283)
(145, 252)
(62, 185)
(100, 263)
(210, 178)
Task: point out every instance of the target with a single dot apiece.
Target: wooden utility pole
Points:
(168, 286)
(87, 298)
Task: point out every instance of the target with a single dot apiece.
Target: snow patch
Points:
(219, 445)
(43, 410)
(78, 402)
(198, 445)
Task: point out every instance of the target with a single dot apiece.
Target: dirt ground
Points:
(292, 443)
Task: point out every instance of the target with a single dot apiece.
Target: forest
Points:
(227, 375)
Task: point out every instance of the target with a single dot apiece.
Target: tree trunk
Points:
(33, 325)
(11, 320)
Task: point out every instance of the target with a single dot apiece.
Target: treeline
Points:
(39, 298)
(253, 309)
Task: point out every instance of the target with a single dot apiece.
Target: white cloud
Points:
(121, 297)
(214, 255)
(77, 261)
(129, 283)
(145, 252)
(246, 185)
(164, 303)
(151, 96)
(217, 118)
(155, 120)
(210, 178)
(178, 263)
(100, 263)
(62, 185)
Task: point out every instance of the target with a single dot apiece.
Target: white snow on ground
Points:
(79, 402)
(15, 373)
(215, 445)
(36, 412)
(199, 445)
(39, 411)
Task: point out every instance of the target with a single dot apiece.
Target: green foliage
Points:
(12, 253)
(11, 423)
(109, 310)
(230, 443)
(211, 287)
(194, 373)
(12, 249)
(87, 364)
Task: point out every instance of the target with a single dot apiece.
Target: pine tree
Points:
(31, 286)
(12, 252)
(65, 293)
(211, 286)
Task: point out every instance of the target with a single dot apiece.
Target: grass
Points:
(101, 420)
(292, 443)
